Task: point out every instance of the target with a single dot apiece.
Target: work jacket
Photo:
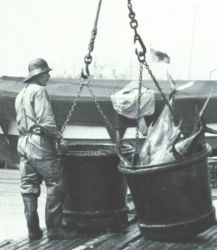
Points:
(33, 109)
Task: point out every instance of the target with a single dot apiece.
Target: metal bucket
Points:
(95, 189)
(172, 200)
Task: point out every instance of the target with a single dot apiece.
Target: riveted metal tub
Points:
(95, 189)
(172, 200)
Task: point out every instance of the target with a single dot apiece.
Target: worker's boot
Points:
(53, 215)
(30, 210)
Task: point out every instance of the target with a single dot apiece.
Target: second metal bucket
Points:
(172, 200)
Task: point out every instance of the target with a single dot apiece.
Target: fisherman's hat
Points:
(36, 67)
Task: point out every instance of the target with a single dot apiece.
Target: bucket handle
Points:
(119, 153)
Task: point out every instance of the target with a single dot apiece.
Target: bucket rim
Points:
(100, 149)
(127, 168)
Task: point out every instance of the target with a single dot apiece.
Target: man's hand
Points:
(36, 131)
(61, 144)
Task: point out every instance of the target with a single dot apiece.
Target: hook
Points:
(87, 61)
(140, 54)
(86, 74)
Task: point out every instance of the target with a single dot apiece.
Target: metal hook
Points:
(140, 54)
(84, 82)
(87, 61)
(86, 74)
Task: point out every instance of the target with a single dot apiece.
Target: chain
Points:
(142, 54)
(84, 76)
(109, 125)
(137, 38)
(159, 88)
(88, 58)
(75, 101)
(138, 111)
(132, 15)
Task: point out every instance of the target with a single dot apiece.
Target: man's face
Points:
(43, 78)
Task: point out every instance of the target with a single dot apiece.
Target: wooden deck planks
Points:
(119, 240)
(45, 243)
(211, 240)
(128, 239)
(64, 244)
(197, 241)
(140, 243)
(80, 240)
(22, 242)
(83, 240)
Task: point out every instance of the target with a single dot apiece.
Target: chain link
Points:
(159, 88)
(141, 55)
(138, 112)
(88, 57)
(88, 60)
(75, 101)
(109, 125)
(132, 15)
(84, 76)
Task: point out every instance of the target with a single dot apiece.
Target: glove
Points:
(61, 145)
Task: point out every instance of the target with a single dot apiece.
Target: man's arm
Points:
(44, 114)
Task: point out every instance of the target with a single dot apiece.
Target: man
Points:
(36, 148)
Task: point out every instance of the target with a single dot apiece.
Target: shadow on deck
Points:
(126, 239)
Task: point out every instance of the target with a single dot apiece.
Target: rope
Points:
(88, 57)
(87, 61)
(94, 31)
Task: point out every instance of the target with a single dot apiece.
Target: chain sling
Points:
(141, 56)
(85, 81)
(85, 77)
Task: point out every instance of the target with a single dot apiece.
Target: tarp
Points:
(125, 101)
(63, 91)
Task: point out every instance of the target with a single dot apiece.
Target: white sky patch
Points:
(59, 31)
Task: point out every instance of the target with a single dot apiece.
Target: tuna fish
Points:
(160, 134)
(163, 142)
(169, 146)
(159, 137)
(196, 141)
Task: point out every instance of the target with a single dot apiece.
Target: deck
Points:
(126, 239)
